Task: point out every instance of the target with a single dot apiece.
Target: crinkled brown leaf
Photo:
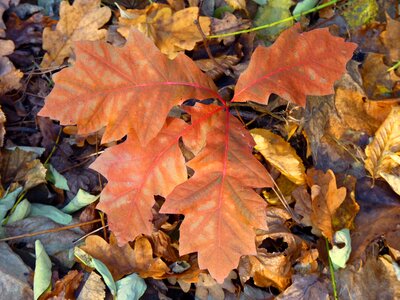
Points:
(172, 32)
(65, 287)
(326, 198)
(385, 144)
(272, 267)
(79, 21)
(125, 260)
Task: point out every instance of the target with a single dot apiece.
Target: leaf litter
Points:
(258, 208)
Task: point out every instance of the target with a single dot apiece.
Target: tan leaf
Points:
(326, 199)
(385, 143)
(172, 32)
(78, 22)
(125, 260)
(393, 180)
(9, 76)
(280, 154)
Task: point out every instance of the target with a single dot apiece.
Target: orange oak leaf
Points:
(298, 64)
(221, 209)
(135, 174)
(118, 88)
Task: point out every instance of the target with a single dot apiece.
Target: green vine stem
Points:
(317, 8)
(332, 271)
(394, 67)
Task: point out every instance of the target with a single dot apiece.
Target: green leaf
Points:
(304, 6)
(91, 262)
(42, 277)
(21, 212)
(50, 212)
(274, 11)
(360, 12)
(7, 202)
(260, 2)
(56, 178)
(131, 287)
(339, 256)
(80, 200)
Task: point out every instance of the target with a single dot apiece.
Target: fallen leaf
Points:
(237, 4)
(272, 267)
(2, 127)
(390, 38)
(135, 191)
(93, 288)
(299, 74)
(379, 215)
(42, 277)
(172, 32)
(215, 199)
(340, 254)
(9, 76)
(66, 287)
(360, 12)
(366, 282)
(306, 287)
(126, 260)
(384, 146)
(378, 83)
(4, 5)
(326, 198)
(280, 154)
(15, 276)
(79, 21)
(142, 81)
(274, 10)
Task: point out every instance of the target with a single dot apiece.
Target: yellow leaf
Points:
(393, 180)
(237, 4)
(280, 154)
(80, 21)
(171, 31)
(384, 146)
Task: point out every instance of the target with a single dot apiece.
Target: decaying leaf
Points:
(390, 38)
(9, 76)
(172, 32)
(303, 72)
(272, 267)
(114, 82)
(381, 152)
(79, 21)
(306, 287)
(326, 198)
(280, 154)
(125, 260)
(65, 287)
(2, 129)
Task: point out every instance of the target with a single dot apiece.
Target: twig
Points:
(332, 272)
(48, 231)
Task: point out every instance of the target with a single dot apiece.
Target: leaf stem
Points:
(332, 272)
(394, 67)
(317, 8)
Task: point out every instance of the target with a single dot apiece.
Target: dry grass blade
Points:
(386, 143)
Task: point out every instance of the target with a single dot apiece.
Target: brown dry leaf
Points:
(356, 110)
(172, 32)
(125, 260)
(163, 247)
(381, 153)
(376, 279)
(306, 287)
(391, 38)
(225, 62)
(379, 215)
(93, 288)
(78, 22)
(326, 198)
(377, 81)
(303, 206)
(208, 288)
(65, 288)
(9, 76)
(2, 128)
(229, 23)
(280, 154)
(272, 267)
